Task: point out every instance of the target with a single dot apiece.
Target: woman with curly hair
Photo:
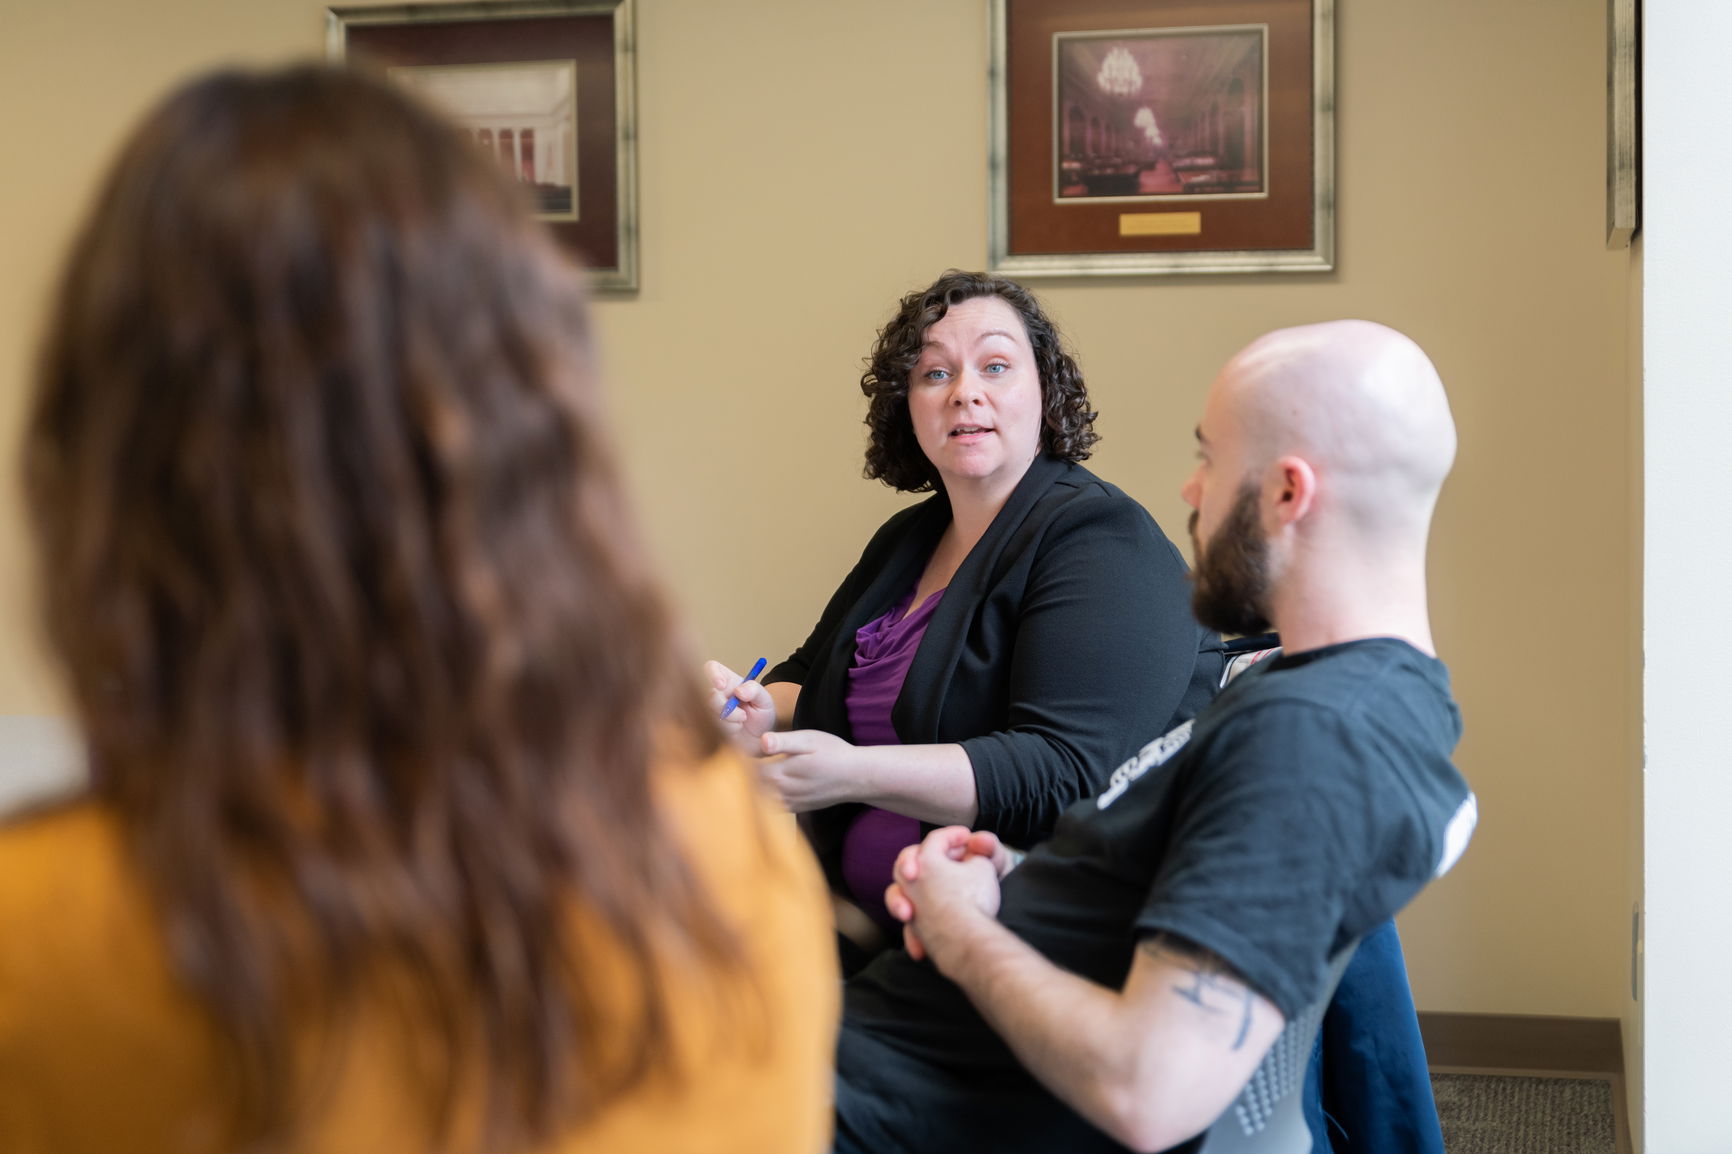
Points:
(408, 828)
(999, 648)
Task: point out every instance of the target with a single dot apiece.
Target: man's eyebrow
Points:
(1201, 440)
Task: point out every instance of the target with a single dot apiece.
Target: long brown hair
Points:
(361, 637)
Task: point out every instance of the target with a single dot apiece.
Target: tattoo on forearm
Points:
(1208, 984)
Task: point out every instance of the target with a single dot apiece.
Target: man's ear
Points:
(1289, 490)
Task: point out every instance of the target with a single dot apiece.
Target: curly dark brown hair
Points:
(893, 455)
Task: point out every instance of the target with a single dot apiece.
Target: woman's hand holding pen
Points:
(753, 717)
(806, 768)
(810, 769)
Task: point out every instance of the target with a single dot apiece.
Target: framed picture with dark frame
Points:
(545, 86)
(1154, 137)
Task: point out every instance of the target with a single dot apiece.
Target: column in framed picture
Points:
(525, 113)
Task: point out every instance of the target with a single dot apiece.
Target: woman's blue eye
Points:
(996, 368)
(935, 374)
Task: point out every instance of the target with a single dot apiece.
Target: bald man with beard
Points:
(1117, 988)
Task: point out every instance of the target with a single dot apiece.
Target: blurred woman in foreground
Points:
(406, 829)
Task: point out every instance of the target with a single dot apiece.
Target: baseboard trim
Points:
(1522, 1042)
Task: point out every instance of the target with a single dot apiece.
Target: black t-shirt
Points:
(1311, 801)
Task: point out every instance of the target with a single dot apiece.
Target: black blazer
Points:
(1063, 644)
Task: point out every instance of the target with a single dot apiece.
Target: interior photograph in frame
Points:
(544, 86)
(1151, 137)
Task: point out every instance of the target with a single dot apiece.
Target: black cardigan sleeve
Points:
(1104, 657)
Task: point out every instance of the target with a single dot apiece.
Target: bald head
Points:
(1361, 403)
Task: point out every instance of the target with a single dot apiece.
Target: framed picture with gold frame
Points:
(1623, 123)
(1154, 137)
(545, 86)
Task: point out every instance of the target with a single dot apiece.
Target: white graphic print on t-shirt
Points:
(1154, 753)
(1456, 835)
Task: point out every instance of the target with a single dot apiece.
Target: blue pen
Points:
(734, 702)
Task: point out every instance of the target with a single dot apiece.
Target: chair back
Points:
(1268, 1116)
(1243, 652)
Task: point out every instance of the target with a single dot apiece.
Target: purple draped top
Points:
(883, 651)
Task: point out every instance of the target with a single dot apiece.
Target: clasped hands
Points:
(943, 884)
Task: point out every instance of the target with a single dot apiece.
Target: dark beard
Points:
(1230, 587)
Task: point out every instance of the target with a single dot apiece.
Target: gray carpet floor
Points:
(1490, 1114)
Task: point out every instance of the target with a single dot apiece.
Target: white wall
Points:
(39, 757)
(1687, 354)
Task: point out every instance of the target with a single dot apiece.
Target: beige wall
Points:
(1632, 1008)
(801, 164)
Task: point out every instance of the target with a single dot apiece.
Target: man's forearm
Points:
(1151, 1066)
(1060, 1026)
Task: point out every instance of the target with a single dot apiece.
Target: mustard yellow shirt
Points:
(101, 1052)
